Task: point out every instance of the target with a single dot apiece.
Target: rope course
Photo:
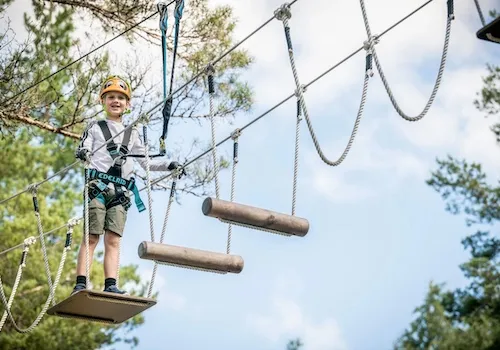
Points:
(229, 212)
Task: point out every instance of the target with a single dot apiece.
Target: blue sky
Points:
(378, 233)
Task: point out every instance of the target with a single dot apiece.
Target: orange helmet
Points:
(116, 84)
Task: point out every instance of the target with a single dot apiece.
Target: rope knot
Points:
(236, 133)
(369, 44)
(29, 241)
(210, 69)
(32, 188)
(300, 91)
(72, 223)
(283, 12)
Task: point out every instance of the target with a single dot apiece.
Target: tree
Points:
(38, 132)
(466, 318)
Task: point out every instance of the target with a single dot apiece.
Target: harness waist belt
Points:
(128, 184)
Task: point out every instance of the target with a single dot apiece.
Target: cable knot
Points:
(300, 90)
(72, 223)
(210, 69)
(369, 44)
(32, 188)
(29, 241)
(283, 12)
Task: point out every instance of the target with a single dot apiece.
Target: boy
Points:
(109, 200)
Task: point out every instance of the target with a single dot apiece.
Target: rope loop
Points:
(369, 44)
(32, 188)
(163, 10)
(210, 69)
(302, 89)
(28, 242)
(283, 12)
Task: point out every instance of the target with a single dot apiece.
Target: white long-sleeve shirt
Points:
(92, 138)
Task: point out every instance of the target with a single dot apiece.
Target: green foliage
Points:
(466, 318)
(295, 344)
(28, 155)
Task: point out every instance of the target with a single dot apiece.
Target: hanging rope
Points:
(164, 228)
(27, 243)
(86, 223)
(211, 91)
(284, 14)
(235, 136)
(441, 66)
(296, 156)
(67, 247)
(480, 12)
(41, 235)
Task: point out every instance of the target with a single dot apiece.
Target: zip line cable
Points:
(84, 56)
(202, 71)
(260, 116)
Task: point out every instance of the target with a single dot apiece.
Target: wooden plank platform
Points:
(99, 306)
(490, 32)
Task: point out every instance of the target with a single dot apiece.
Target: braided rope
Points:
(163, 232)
(41, 236)
(384, 80)
(148, 187)
(284, 14)
(210, 72)
(51, 292)
(296, 157)
(236, 134)
(87, 223)
(27, 242)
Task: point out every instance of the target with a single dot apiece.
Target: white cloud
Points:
(286, 320)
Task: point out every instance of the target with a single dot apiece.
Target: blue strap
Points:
(179, 8)
(138, 202)
(163, 29)
(130, 185)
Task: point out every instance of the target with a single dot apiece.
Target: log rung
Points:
(255, 218)
(191, 258)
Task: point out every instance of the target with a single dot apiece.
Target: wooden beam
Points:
(255, 217)
(190, 257)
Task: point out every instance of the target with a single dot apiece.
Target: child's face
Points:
(116, 103)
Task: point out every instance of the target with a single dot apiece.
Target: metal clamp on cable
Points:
(369, 45)
(177, 170)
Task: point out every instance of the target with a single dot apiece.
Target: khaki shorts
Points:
(101, 219)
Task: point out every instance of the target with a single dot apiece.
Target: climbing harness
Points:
(488, 31)
(114, 173)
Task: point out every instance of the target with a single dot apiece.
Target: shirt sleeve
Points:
(138, 148)
(87, 138)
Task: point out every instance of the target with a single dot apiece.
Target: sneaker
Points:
(78, 287)
(114, 289)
